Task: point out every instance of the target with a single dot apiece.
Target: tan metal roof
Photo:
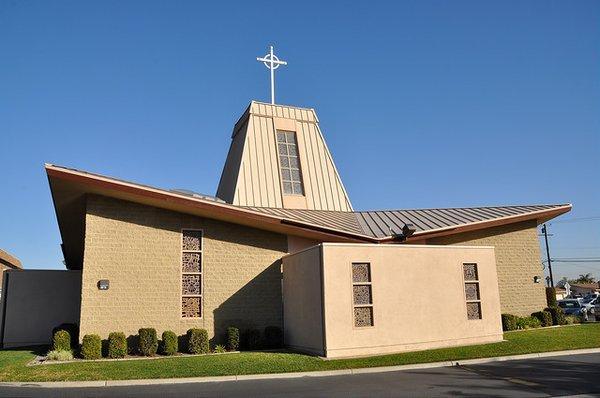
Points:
(69, 188)
(379, 223)
(384, 223)
(339, 220)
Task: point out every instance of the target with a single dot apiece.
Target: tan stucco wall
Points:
(418, 297)
(138, 247)
(518, 262)
(36, 302)
(302, 303)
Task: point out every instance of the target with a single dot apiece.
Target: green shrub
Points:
(509, 322)
(558, 315)
(197, 341)
(551, 297)
(91, 347)
(528, 322)
(60, 355)
(117, 345)
(273, 337)
(233, 338)
(219, 349)
(252, 339)
(572, 319)
(73, 330)
(148, 342)
(61, 341)
(544, 317)
(170, 343)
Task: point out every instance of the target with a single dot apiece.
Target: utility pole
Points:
(545, 232)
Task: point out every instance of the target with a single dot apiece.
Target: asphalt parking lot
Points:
(540, 377)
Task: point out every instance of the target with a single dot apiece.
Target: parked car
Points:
(589, 302)
(572, 307)
(596, 310)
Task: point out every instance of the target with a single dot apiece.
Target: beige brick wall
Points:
(137, 248)
(517, 260)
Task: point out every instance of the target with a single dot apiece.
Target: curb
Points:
(325, 373)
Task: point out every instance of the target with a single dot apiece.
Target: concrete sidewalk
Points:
(189, 380)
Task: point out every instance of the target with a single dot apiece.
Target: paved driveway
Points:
(556, 376)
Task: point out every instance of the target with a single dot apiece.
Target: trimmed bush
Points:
(91, 347)
(551, 297)
(133, 343)
(170, 343)
(60, 355)
(252, 339)
(61, 341)
(233, 338)
(273, 337)
(197, 341)
(528, 322)
(73, 330)
(558, 315)
(117, 345)
(544, 317)
(148, 342)
(219, 349)
(572, 319)
(509, 322)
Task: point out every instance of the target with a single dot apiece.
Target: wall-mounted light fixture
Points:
(536, 279)
(103, 284)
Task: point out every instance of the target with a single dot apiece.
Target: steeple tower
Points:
(278, 158)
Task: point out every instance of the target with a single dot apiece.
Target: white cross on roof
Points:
(272, 62)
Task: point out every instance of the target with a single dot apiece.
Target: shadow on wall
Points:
(256, 305)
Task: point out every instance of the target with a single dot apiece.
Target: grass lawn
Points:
(13, 362)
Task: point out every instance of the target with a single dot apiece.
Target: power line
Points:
(579, 219)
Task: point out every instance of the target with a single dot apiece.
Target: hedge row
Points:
(548, 317)
(146, 342)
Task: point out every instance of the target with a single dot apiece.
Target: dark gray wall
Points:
(34, 302)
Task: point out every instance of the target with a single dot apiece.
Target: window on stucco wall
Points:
(362, 295)
(191, 273)
(471, 276)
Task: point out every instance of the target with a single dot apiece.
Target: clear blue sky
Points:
(423, 103)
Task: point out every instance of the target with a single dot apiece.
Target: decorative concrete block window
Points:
(362, 295)
(289, 163)
(471, 278)
(191, 273)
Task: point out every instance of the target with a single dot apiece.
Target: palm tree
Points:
(587, 278)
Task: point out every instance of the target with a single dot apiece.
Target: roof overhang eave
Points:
(87, 183)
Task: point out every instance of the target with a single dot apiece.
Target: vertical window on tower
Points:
(289, 163)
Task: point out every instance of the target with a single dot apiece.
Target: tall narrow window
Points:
(191, 273)
(472, 296)
(362, 296)
(289, 162)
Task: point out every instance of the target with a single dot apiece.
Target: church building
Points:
(280, 244)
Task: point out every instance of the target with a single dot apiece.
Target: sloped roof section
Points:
(338, 220)
(379, 223)
(385, 223)
(69, 188)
